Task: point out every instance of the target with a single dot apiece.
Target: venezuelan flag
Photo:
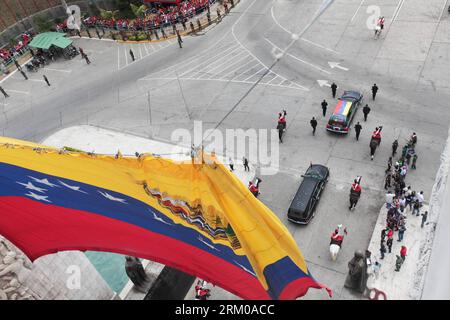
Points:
(197, 218)
(343, 107)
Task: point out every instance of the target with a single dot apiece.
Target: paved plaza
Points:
(226, 78)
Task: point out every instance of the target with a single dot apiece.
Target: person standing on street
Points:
(17, 65)
(180, 41)
(403, 252)
(23, 74)
(87, 59)
(333, 89)
(231, 164)
(424, 218)
(358, 129)
(46, 80)
(420, 198)
(373, 147)
(389, 244)
(398, 263)
(366, 111)
(324, 107)
(132, 54)
(4, 92)
(394, 147)
(387, 181)
(245, 161)
(374, 91)
(414, 161)
(401, 232)
(382, 250)
(313, 123)
(81, 52)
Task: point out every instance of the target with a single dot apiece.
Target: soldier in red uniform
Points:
(355, 193)
(281, 124)
(254, 188)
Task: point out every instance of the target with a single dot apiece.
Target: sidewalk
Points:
(23, 60)
(102, 141)
(402, 285)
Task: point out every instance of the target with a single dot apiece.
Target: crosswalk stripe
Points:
(235, 48)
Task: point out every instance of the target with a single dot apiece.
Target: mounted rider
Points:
(282, 119)
(281, 124)
(254, 187)
(338, 235)
(376, 134)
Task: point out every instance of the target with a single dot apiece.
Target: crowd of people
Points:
(400, 199)
(161, 16)
(9, 54)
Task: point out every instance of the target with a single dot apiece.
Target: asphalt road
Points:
(216, 75)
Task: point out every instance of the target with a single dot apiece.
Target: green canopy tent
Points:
(48, 39)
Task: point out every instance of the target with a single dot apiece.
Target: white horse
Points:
(336, 241)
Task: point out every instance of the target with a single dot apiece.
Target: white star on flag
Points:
(160, 219)
(44, 181)
(211, 246)
(31, 186)
(37, 197)
(245, 269)
(110, 197)
(74, 188)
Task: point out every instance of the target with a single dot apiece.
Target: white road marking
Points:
(298, 59)
(226, 61)
(399, 7)
(16, 91)
(233, 64)
(336, 65)
(220, 61)
(319, 46)
(259, 71)
(303, 39)
(299, 87)
(146, 49)
(14, 72)
(323, 83)
(35, 80)
(356, 12)
(216, 46)
(443, 9)
(276, 76)
(235, 48)
(237, 40)
(58, 70)
(238, 68)
(160, 46)
(152, 47)
(243, 73)
(266, 79)
(126, 56)
(140, 51)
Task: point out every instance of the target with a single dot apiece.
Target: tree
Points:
(43, 24)
(138, 11)
(124, 7)
(106, 14)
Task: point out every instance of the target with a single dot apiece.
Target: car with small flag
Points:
(344, 112)
(302, 208)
